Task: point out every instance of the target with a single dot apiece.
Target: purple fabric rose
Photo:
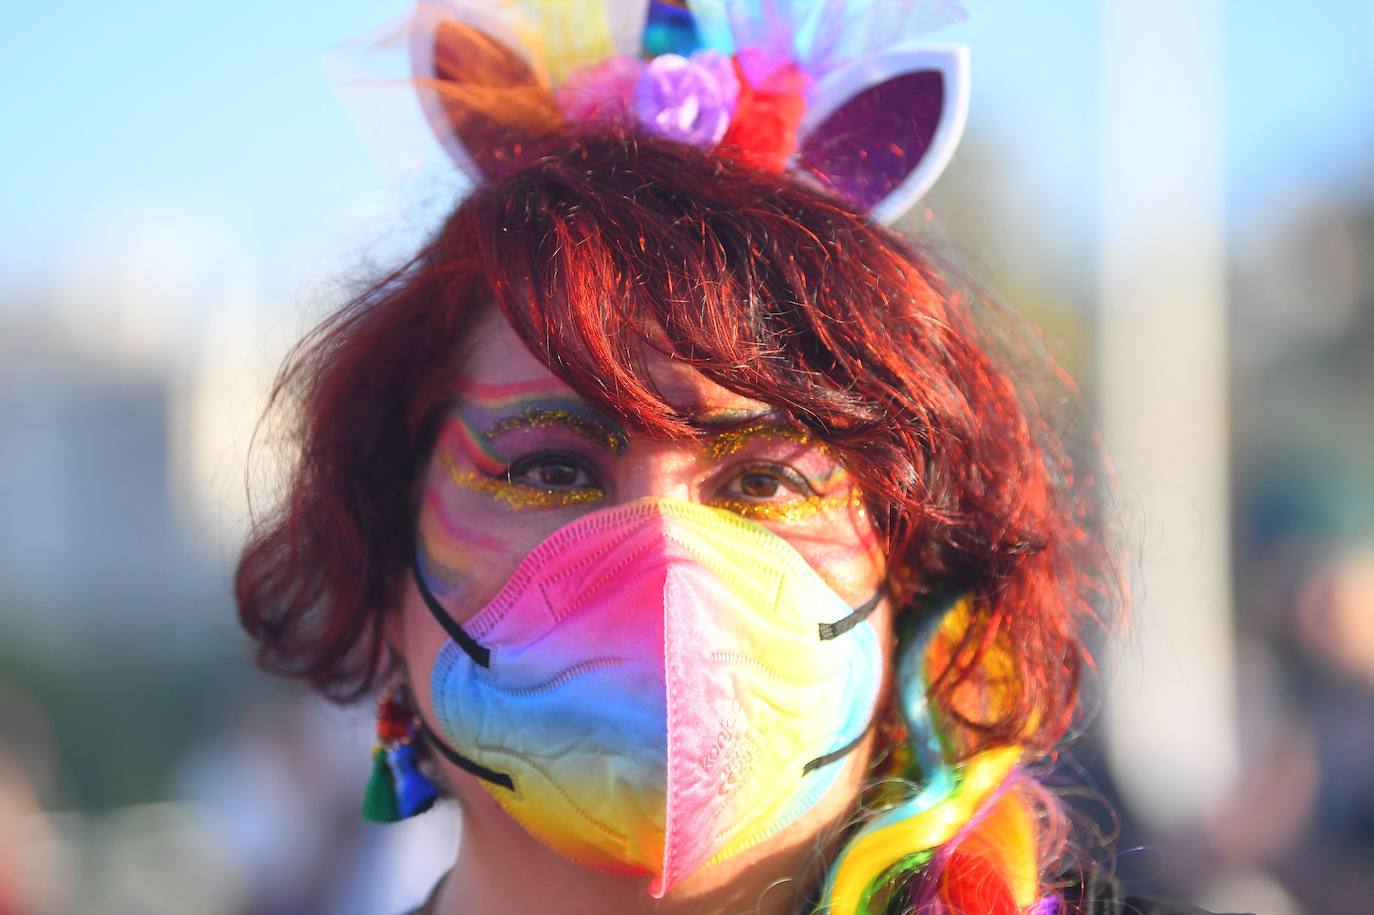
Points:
(689, 99)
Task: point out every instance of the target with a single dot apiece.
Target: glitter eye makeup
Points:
(546, 417)
(511, 408)
(477, 449)
(793, 511)
(518, 496)
(730, 441)
(794, 498)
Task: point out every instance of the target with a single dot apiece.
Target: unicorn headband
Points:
(838, 92)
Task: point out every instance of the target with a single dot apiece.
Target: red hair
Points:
(616, 247)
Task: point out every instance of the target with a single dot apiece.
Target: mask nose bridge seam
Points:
(728, 570)
(786, 560)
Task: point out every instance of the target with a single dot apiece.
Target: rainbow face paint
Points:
(515, 496)
(659, 686)
(470, 444)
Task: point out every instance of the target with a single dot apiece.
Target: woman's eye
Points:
(768, 483)
(551, 472)
(759, 485)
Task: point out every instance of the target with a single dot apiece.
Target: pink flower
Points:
(601, 95)
(690, 99)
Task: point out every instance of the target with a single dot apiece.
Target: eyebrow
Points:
(715, 422)
(551, 414)
(725, 438)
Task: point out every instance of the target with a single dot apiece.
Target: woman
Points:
(715, 558)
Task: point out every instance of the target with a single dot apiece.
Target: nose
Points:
(657, 471)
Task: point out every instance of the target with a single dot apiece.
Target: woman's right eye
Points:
(552, 473)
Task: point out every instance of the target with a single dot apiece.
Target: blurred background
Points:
(1179, 193)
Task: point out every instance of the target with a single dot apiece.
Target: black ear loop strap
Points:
(462, 762)
(479, 653)
(480, 656)
(861, 613)
(833, 630)
(833, 755)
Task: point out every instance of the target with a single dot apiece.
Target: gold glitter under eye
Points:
(514, 496)
(792, 512)
(728, 442)
(543, 418)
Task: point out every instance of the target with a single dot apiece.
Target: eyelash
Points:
(533, 461)
(786, 475)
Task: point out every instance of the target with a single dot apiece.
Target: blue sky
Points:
(222, 115)
(1300, 95)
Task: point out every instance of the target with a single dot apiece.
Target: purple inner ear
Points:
(868, 145)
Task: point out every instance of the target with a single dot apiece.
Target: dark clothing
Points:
(1101, 895)
(1097, 895)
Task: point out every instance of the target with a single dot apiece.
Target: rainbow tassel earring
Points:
(397, 788)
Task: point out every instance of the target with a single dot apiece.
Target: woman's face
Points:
(520, 454)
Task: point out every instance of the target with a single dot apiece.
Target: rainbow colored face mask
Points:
(659, 686)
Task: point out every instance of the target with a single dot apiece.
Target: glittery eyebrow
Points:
(726, 441)
(714, 421)
(543, 416)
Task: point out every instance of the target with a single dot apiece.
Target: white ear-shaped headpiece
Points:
(880, 130)
(849, 99)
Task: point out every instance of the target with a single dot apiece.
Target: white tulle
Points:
(820, 35)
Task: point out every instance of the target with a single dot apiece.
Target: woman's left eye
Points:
(767, 483)
(759, 485)
(551, 472)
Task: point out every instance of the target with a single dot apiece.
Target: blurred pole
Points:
(1169, 716)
